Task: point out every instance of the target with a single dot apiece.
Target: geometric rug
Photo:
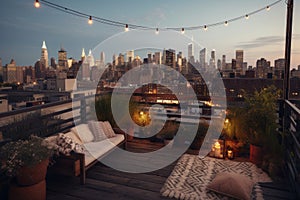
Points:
(192, 174)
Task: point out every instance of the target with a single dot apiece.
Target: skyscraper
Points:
(62, 59)
(157, 56)
(44, 55)
(212, 62)
(191, 52)
(82, 55)
(223, 62)
(239, 57)
(202, 57)
(129, 56)
(170, 58)
(102, 58)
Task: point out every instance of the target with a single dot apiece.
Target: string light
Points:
(182, 31)
(37, 4)
(90, 20)
(156, 31)
(110, 22)
(126, 28)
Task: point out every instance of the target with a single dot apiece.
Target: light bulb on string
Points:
(205, 28)
(182, 31)
(268, 8)
(37, 4)
(156, 31)
(226, 23)
(126, 28)
(90, 20)
(246, 16)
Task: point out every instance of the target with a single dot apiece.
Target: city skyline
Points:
(262, 36)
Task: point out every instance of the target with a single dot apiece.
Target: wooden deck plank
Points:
(106, 183)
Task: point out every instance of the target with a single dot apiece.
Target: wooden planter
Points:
(33, 174)
(256, 154)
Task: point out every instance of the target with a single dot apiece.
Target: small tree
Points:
(259, 116)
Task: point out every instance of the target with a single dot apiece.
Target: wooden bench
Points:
(77, 164)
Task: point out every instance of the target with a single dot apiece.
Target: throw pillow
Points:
(232, 185)
(97, 131)
(66, 145)
(109, 132)
(83, 132)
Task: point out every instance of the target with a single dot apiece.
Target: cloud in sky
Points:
(265, 41)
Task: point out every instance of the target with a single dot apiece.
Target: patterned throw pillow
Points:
(97, 131)
(66, 145)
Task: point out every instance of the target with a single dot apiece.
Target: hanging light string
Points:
(92, 18)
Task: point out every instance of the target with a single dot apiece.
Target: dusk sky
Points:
(23, 27)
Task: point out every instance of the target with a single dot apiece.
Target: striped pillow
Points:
(97, 130)
(109, 132)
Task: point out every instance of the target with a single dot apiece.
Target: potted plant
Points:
(257, 121)
(26, 162)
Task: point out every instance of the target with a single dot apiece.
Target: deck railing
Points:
(44, 120)
(291, 130)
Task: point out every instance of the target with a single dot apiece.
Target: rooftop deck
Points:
(105, 183)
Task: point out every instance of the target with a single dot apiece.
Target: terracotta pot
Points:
(256, 155)
(32, 192)
(33, 174)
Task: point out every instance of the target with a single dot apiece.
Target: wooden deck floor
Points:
(106, 183)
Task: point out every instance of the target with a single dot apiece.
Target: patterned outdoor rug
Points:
(192, 174)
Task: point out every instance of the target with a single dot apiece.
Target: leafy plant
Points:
(256, 121)
(20, 153)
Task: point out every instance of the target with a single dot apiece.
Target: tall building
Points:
(157, 59)
(82, 55)
(62, 59)
(53, 63)
(170, 58)
(44, 55)
(223, 62)
(202, 57)
(279, 68)
(10, 72)
(102, 58)
(130, 56)
(191, 52)
(262, 68)
(239, 57)
(212, 62)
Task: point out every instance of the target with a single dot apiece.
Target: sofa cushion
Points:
(94, 150)
(109, 132)
(233, 185)
(97, 131)
(83, 132)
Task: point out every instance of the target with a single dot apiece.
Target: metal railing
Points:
(44, 120)
(291, 130)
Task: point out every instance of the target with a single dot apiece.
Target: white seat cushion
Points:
(94, 150)
(83, 132)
